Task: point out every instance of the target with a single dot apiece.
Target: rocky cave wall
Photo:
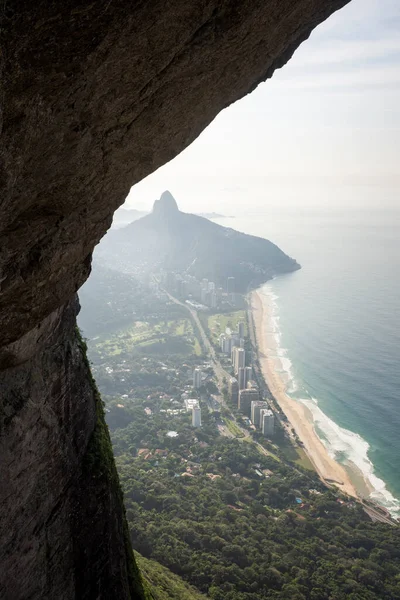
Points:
(62, 520)
(95, 96)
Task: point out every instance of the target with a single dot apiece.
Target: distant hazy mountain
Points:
(170, 239)
(125, 216)
(214, 215)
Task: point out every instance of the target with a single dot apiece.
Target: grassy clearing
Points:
(197, 347)
(164, 584)
(296, 455)
(218, 323)
(233, 428)
(271, 454)
(303, 459)
(176, 336)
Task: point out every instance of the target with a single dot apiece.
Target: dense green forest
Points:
(233, 520)
(199, 508)
(162, 584)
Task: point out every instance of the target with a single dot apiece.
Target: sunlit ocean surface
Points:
(338, 327)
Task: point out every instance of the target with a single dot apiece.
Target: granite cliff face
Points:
(62, 533)
(95, 96)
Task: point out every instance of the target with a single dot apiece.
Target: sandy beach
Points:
(299, 417)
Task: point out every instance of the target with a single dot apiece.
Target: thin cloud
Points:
(372, 76)
(347, 52)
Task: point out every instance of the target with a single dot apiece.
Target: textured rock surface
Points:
(95, 96)
(61, 518)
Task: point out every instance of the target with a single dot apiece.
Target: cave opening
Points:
(96, 97)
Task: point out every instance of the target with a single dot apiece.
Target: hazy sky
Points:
(325, 129)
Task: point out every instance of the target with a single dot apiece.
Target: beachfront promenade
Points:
(299, 417)
(291, 414)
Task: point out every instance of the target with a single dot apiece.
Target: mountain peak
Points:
(171, 240)
(166, 205)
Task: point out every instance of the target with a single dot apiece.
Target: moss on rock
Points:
(98, 463)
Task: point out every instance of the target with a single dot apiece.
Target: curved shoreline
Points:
(299, 416)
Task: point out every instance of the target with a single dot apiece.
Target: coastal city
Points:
(200, 325)
(232, 363)
(200, 294)
(219, 373)
(196, 431)
(243, 391)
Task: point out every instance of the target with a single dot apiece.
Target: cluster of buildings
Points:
(213, 296)
(228, 340)
(192, 404)
(248, 402)
(243, 391)
(206, 292)
(262, 417)
(197, 378)
(210, 296)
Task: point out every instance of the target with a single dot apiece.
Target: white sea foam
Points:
(349, 447)
(275, 324)
(343, 445)
(281, 352)
(286, 365)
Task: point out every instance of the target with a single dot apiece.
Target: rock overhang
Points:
(96, 96)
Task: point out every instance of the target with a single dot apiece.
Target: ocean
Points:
(337, 326)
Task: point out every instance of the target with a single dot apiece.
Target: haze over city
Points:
(323, 131)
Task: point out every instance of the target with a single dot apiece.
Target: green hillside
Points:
(164, 585)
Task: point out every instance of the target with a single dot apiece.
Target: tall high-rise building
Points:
(205, 297)
(230, 285)
(241, 378)
(211, 286)
(241, 342)
(233, 357)
(246, 397)
(222, 340)
(248, 375)
(197, 379)
(225, 343)
(213, 300)
(196, 416)
(239, 359)
(241, 329)
(228, 345)
(256, 407)
(235, 340)
(234, 343)
(233, 390)
(267, 422)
